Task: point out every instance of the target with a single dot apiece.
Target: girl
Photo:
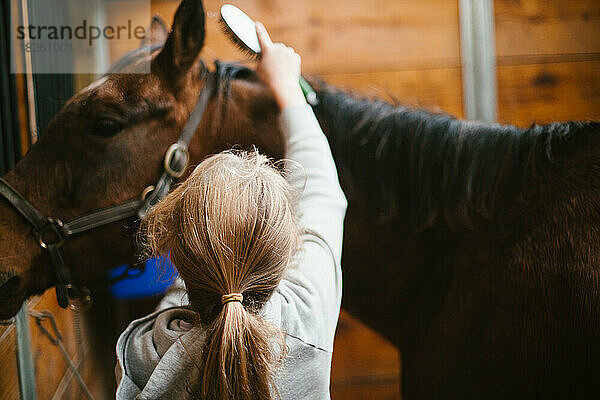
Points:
(262, 315)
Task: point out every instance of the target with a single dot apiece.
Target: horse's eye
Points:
(106, 127)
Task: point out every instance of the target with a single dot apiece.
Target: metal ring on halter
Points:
(147, 191)
(83, 296)
(53, 225)
(174, 148)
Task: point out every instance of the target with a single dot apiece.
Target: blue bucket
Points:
(153, 281)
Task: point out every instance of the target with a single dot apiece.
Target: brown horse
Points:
(472, 247)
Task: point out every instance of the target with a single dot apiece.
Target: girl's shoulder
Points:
(159, 341)
(162, 327)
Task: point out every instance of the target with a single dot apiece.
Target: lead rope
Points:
(56, 339)
(81, 302)
(77, 305)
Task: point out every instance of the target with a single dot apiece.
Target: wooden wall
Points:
(548, 69)
(53, 378)
(548, 60)
(9, 378)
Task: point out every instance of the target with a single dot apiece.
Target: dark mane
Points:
(226, 72)
(421, 167)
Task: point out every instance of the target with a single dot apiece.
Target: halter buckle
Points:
(170, 155)
(53, 231)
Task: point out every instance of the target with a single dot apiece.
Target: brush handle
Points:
(309, 93)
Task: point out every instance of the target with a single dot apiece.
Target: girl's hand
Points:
(279, 68)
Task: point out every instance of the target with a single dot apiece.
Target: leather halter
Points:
(51, 232)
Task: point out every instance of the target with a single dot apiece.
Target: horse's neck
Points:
(418, 183)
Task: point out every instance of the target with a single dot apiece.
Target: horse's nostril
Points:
(9, 287)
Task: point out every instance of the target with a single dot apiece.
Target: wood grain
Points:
(50, 365)
(347, 36)
(361, 352)
(432, 89)
(541, 93)
(384, 390)
(9, 378)
(542, 27)
(365, 365)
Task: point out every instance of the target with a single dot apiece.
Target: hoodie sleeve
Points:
(308, 299)
(322, 204)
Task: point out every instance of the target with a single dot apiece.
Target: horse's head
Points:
(108, 143)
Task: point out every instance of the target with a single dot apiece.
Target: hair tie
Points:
(226, 298)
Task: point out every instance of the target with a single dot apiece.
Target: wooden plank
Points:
(347, 36)
(100, 385)
(50, 365)
(9, 379)
(22, 112)
(294, 13)
(5, 330)
(362, 391)
(547, 58)
(542, 93)
(51, 368)
(540, 27)
(362, 355)
(432, 89)
(138, 13)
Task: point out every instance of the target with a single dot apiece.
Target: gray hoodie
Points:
(153, 353)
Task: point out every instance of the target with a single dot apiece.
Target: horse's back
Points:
(520, 317)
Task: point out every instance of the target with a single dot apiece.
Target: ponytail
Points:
(238, 360)
(231, 232)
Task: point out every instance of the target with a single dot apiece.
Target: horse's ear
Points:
(185, 41)
(156, 34)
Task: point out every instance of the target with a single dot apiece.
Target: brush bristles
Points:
(237, 41)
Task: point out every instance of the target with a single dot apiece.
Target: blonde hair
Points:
(230, 228)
